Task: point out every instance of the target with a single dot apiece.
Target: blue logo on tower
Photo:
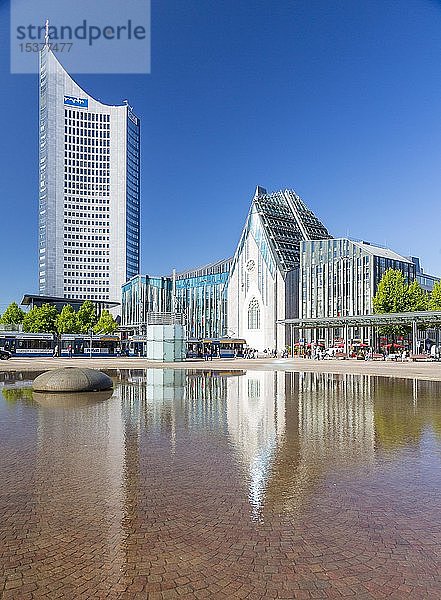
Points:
(77, 102)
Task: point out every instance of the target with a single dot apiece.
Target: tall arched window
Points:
(253, 315)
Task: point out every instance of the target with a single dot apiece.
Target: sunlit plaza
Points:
(221, 484)
(223, 378)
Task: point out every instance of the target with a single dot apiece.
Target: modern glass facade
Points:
(426, 281)
(200, 295)
(89, 193)
(339, 277)
(142, 295)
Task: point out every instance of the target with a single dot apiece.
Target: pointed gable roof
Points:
(279, 221)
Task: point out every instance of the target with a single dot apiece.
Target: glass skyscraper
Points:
(89, 196)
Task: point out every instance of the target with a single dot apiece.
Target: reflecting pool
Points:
(227, 484)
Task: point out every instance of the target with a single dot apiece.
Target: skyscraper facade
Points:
(89, 196)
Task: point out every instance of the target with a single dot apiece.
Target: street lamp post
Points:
(90, 346)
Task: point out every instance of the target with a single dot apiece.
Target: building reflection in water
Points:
(330, 426)
(336, 417)
(164, 400)
(290, 429)
(286, 433)
(256, 425)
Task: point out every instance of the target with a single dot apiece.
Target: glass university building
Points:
(89, 196)
(339, 277)
(199, 294)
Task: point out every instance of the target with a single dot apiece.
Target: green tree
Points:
(66, 321)
(394, 295)
(391, 294)
(416, 297)
(106, 323)
(41, 319)
(435, 297)
(86, 316)
(12, 315)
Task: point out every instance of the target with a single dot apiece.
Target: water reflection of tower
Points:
(151, 404)
(78, 491)
(173, 416)
(256, 424)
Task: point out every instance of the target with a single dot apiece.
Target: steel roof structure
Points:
(378, 320)
(33, 300)
(279, 221)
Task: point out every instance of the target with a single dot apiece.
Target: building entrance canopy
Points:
(409, 318)
(413, 319)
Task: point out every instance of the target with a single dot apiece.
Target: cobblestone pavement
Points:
(104, 502)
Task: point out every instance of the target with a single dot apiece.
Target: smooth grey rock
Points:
(72, 379)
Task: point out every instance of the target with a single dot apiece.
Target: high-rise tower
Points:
(89, 196)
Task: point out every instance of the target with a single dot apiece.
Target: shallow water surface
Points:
(221, 485)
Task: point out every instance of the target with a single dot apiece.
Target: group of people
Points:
(209, 351)
(56, 352)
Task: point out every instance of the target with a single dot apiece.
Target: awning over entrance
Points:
(420, 318)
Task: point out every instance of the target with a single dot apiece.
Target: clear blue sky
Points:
(339, 100)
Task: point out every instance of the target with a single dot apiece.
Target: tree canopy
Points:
(416, 297)
(391, 293)
(12, 315)
(41, 319)
(67, 321)
(46, 319)
(86, 316)
(106, 323)
(435, 297)
(394, 295)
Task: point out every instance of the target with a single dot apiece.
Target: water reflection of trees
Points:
(404, 409)
(14, 395)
